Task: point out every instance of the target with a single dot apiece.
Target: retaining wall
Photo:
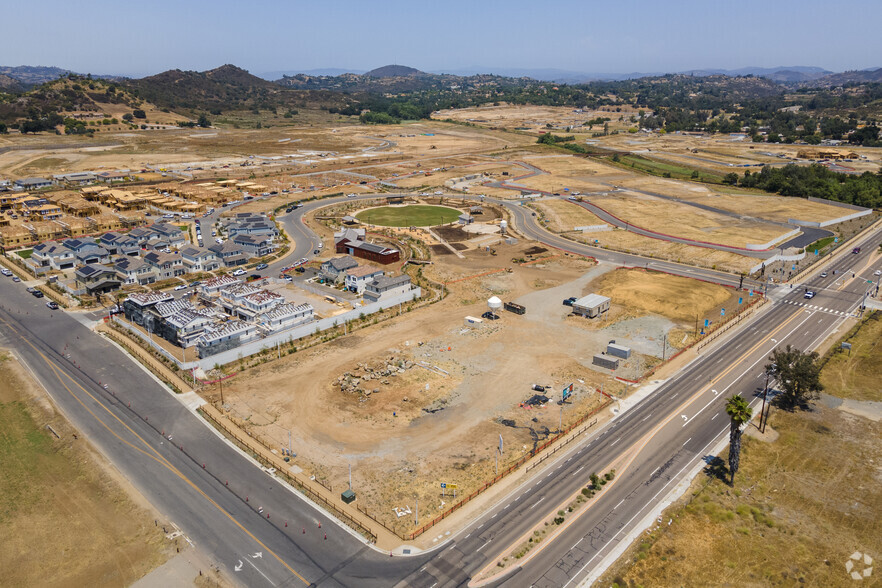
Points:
(778, 239)
(774, 258)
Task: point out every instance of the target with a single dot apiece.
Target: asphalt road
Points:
(237, 513)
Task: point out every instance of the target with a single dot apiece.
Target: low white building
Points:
(384, 287)
(591, 306)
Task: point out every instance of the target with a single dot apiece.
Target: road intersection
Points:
(233, 510)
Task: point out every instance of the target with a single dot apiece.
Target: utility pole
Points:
(664, 346)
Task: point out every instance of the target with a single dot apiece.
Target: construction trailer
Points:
(591, 306)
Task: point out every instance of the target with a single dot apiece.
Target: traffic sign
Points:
(722, 312)
(451, 486)
(443, 485)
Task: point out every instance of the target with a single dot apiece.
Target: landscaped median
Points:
(533, 541)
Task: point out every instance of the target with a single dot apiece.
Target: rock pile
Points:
(364, 378)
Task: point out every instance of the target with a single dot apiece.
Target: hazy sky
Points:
(104, 37)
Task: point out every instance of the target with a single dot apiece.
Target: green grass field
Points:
(416, 215)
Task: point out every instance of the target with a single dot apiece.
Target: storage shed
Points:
(618, 351)
(591, 306)
(605, 361)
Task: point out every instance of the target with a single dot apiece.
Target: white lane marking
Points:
(648, 503)
(576, 543)
(716, 414)
(686, 441)
(484, 545)
(653, 471)
(537, 503)
(619, 504)
(248, 561)
(464, 538)
(749, 368)
(616, 441)
(579, 470)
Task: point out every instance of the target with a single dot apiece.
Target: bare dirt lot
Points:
(422, 399)
(66, 518)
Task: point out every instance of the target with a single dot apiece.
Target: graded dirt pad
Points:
(420, 400)
(621, 240)
(682, 220)
(800, 507)
(563, 216)
(65, 517)
(535, 118)
(679, 299)
(764, 206)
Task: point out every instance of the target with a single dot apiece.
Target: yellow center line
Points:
(159, 458)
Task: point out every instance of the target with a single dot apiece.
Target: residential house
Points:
(230, 334)
(87, 251)
(198, 259)
(45, 230)
(115, 176)
(229, 254)
(45, 212)
(251, 224)
(254, 245)
(141, 234)
(132, 270)
(175, 236)
(185, 327)
(212, 286)
(119, 244)
(52, 255)
(285, 316)
(385, 287)
(32, 183)
(97, 279)
(76, 178)
(137, 308)
(15, 236)
(167, 265)
(333, 270)
(357, 278)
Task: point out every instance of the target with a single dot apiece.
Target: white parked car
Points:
(180, 287)
(239, 272)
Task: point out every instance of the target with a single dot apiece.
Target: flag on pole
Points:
(500, 444)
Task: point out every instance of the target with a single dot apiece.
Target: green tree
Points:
(739, 412)
(798, 374)
(139, 114)
(203, 121)
(730, 178)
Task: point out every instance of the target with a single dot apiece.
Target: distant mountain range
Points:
(357, 80)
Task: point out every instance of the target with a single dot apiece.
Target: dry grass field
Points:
(682, 220)
(679, 299)
(621, 240)
(807, 496)
(66, 519)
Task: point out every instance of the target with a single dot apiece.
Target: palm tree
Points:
(739, 412)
